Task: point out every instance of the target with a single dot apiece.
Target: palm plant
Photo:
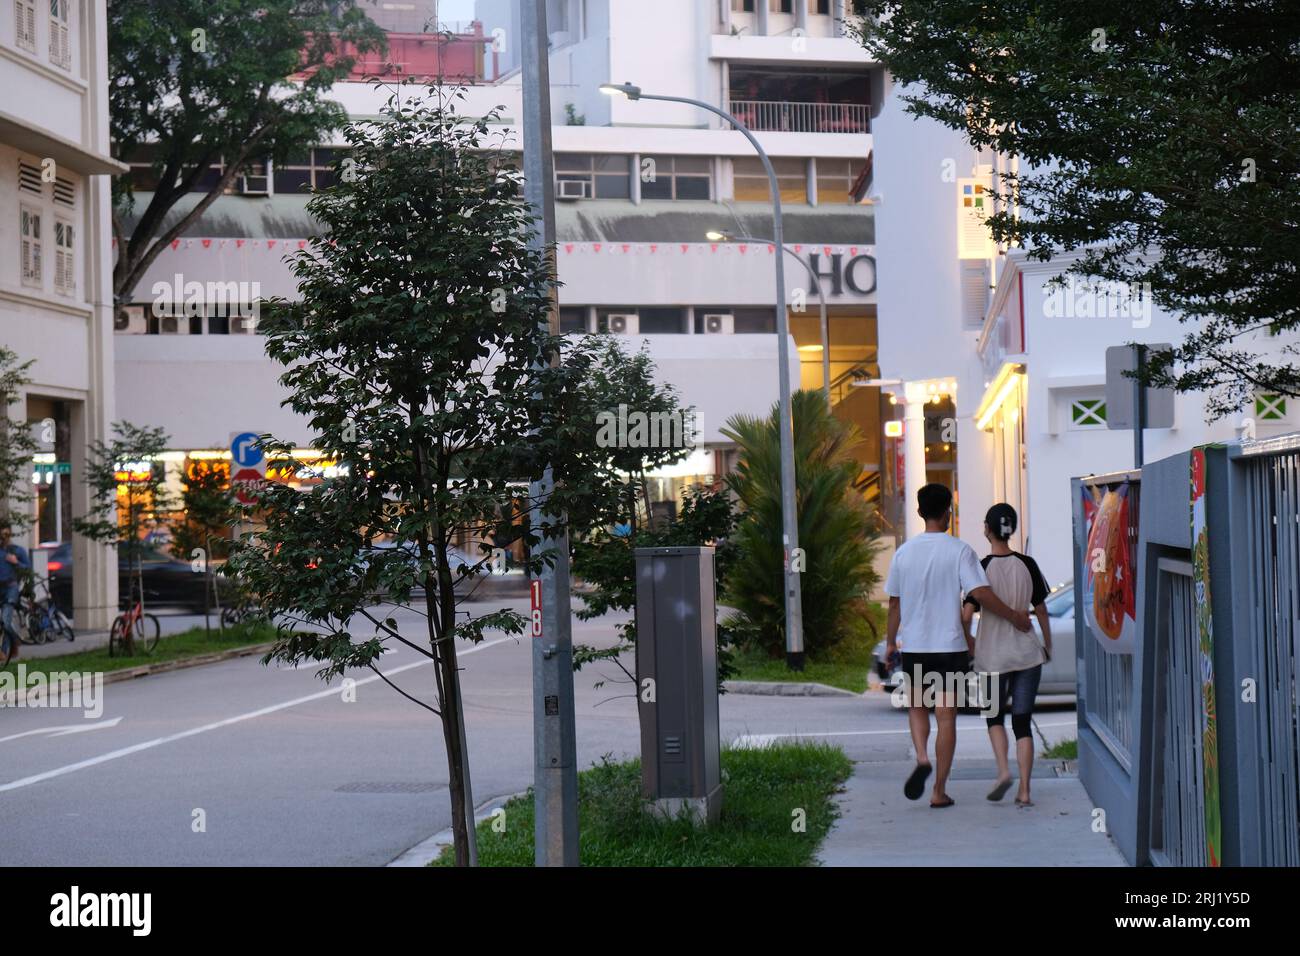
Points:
(836, 533)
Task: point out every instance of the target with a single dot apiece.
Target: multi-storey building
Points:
(639, 187)
(55, 274)
(1002, 374)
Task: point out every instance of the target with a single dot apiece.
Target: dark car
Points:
(168, 581)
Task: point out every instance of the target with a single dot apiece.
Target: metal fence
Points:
(782, 115)
(1108, 679)
(1272, 488)
(1178, 836)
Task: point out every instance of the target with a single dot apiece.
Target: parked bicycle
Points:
(245, 611)
(39, 620)
(134, 627)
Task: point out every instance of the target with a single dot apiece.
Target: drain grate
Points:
(390, 786)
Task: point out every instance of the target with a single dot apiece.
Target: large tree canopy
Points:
(1162, 139)
(195, 83)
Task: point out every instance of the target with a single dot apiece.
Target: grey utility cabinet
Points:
(677, 674)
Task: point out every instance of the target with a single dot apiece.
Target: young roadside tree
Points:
(836, 530)
(201, 531)
(637, 425)
(129, 497)
(17, 444)
(1160, 139)
(198, 84)
(419, 357)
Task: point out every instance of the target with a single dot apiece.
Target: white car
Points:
(1058, 673)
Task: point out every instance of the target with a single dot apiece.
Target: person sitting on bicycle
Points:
(15, 561)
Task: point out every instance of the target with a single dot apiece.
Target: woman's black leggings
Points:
(1016, 690)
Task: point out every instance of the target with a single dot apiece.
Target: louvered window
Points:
(31, 246)
(65, 193)
(25, 24)
(65, 276)
(29, 178)
(60, 47)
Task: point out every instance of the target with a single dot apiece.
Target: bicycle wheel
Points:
(28, 625)
(117, 636)
(62, 626)
(147, 632)
(230, 616)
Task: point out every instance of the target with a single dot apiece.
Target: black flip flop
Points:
(915, 785)
(1000, 791)
(940, 806)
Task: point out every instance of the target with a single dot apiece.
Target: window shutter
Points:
(31, 247)
(65, 273)
(974, 292)
(25, 24)
(60, 47)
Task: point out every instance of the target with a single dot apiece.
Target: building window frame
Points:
(665, 170)
(65, 256)
(605, 175)
(31, 246)
(1087, 412)
(61, 34)
(1271, 407)
(25, 25)
(749, 181)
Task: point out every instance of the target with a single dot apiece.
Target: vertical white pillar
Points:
(913, 455)
(760, 17)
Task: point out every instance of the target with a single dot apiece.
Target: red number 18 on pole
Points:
(535, 590)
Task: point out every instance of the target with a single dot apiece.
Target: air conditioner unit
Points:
(173, 325)
(255, 183)
(719, 323)
(572, 189)
(130, 320)
(622, 323)
(243, 325)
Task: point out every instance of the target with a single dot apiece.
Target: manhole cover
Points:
(390, 786)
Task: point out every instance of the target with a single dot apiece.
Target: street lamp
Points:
(794, 645)
(825, 347)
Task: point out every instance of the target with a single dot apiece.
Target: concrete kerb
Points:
(785, 689)
(144, 670)
(428, 850)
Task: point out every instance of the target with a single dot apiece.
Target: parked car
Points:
(168, 581)
(1058, 673)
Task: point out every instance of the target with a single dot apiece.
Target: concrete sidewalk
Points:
(878, 826)
(89, 640)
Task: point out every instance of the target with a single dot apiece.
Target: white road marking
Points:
(66, 729)
(754, 741)
(239, 718)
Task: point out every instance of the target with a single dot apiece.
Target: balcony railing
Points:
(803, 117)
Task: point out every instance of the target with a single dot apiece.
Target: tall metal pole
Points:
(794, 646)
(555, 771)
(821, 300)
(1139, 404)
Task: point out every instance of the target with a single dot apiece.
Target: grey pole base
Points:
(701, 810)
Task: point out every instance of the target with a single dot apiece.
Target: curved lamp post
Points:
(794, 644)
(817, 287)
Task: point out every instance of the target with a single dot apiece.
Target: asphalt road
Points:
(288, 773)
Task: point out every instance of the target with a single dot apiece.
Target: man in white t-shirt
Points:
(927, 578)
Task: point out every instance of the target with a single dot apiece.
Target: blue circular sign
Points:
(243, 450)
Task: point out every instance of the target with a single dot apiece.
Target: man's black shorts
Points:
(946, 668)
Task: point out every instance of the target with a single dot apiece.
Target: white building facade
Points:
(639, 186)
(1018, 364)
(55, 274)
